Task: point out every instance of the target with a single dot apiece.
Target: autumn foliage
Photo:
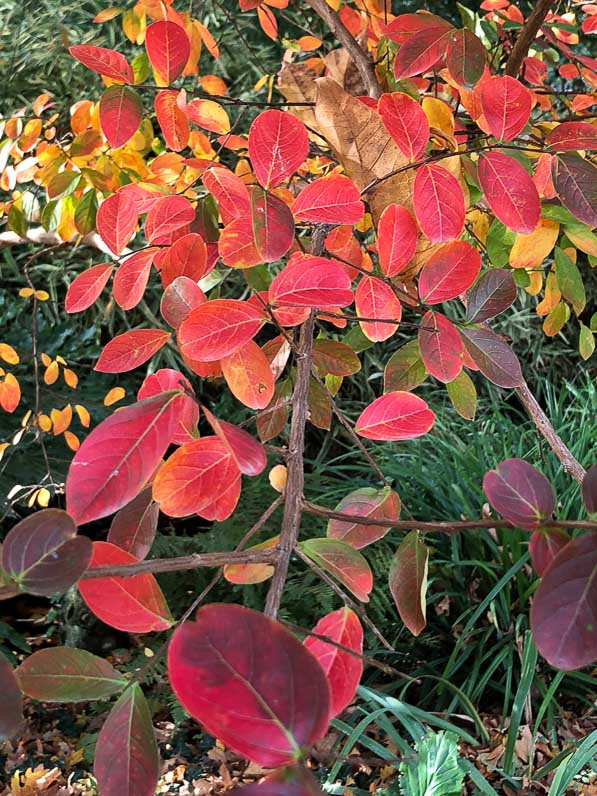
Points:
(426, 191)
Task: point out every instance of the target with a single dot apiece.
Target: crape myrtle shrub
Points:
(418, 175)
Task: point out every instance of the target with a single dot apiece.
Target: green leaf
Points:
(556, 319)
(570, 281)
(405, 369)
(50, 215)
(437, 769)
(86, 212)
(586, 341)
(17, 221)
(500, 240)
(463, 395)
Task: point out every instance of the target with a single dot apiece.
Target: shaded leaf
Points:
(465, 57)
(408, 581)
(377, 504)
(11, 707)
(463, 395)
(440, 346)
(134, 527)
(493, 293)
(249, 574)
(544, 545)
(572, 136)
(494, 358)
(450, 271)
(179, 298)
(273, 225)
(343, 562)
(404, 369)
(520, 493)
(589, 490)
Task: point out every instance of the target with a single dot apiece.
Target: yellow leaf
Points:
(535, 283)
(439, 115)
(46, 360)
(43, 498)
(529, 251)
(61, 419)
(114, 395)
(42, 295)
(26, 292)
(61, 360)
(44, 422)
(552, 296)
(212, 84)
(83, 415)
(3, 447)
(261, 82)
(26, 417)
(480, 224)
(277, 477)
(8, 354)
(52, 373)
(107, 14)
(70, 377)
(72, 440)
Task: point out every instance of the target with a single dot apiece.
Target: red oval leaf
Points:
(130, 280)
(510, 192)
(116, 459)
(450, 271)
(343, 670)
(494, 358)
(440, 346)
(248, 454)
(334, 199)
(172, 120)
(272, 695)
(544, 545)
(127, 737)
(179, 298)
(86, 288)
(406, 122)
(520, 493)
(168, 49)
(572, 136)
(421, 51)
(187, 408)
(273, 226)
(229, 191)
(438, 203)
(186, 257)
(167, 216)
(396, 239)
(343, 562)
(134, 604)
(377, 301)
(395, 416)
(105, 62)
(375, 504)
(311, 282)
(575, 181)
(120, 112)
(131, 349)
(278, 144)
(408, 581)
(563, 609)
(218, 328)
(506, 104)
(117, 220)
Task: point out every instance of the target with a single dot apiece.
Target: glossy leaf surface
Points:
(450, 271)
(520, 493)
(218, 328)
(272, 695)
(43, 553)
(127, 762)
(64, 674)
(408, 581)
(369, 503)
(438, 203)
(510, 192)
(343, 562)
(131, 349)
(334, 199)
(133, 604)
(395, 416)
(563, 613)
(278, 144)
(343, 670)
(465, 57)
(118, 456)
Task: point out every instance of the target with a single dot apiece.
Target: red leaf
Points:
(43, 553)
(563, 609)
(376, 299)
(450, 271)
(396, 239)
(130, 280)
(105, 62)
(120, 112)
(248, 454)
(172, 120)
(127, 737)
(133, 604)
(509, 191)
(589, 490)
(572, 136)
(229, 191)
(440, 346)
(118, 456)
(195, 477)
(218, 328)
(168, 49)
(186, 257)
(395, 416)
(376, 504)
(250, 574)
(334, 199)
(575, 181)
(236, 244)
(544, 545)
(117, 220)
(268, 22)
(406, 122)
(438, 203)
(295, 781)
(408, 581)
(131, 349)
(134, 526)
(343, 670)
(506, 104)
(407, 26)
(343, 562)
(86, 288)
(11, 707)
(494, 358)
(179, 298)
(311, 282)
(187, 408)
(465, 58)
(248, 376)
(166, 216)
(273, 226)
(520, 493)
(272, 696)
(493, 293)
(421, 51)
(278, 145)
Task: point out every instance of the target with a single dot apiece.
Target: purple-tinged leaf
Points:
(494, 358)
(493, 293)
(520, 493)
(408, 581)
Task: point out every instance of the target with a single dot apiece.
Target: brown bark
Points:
(526, 36)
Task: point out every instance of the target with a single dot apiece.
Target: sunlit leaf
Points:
(572, 136)
(105, 62)
(343, 562)
(172, 120)
(440, 346)
(506, 104)
(120, 112)
(278, 145)
(334, 199)
(406, 122)
(165, 217)
(438, 203)
(218, 328)
(249, 376)
(377, 504)
(86, 288)
(375, 299)
(186, 407)
(397, 235)
(131, 349)
(130, 280)
(395, 416)
(311, 282)
(117, 220)
(168, 49)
